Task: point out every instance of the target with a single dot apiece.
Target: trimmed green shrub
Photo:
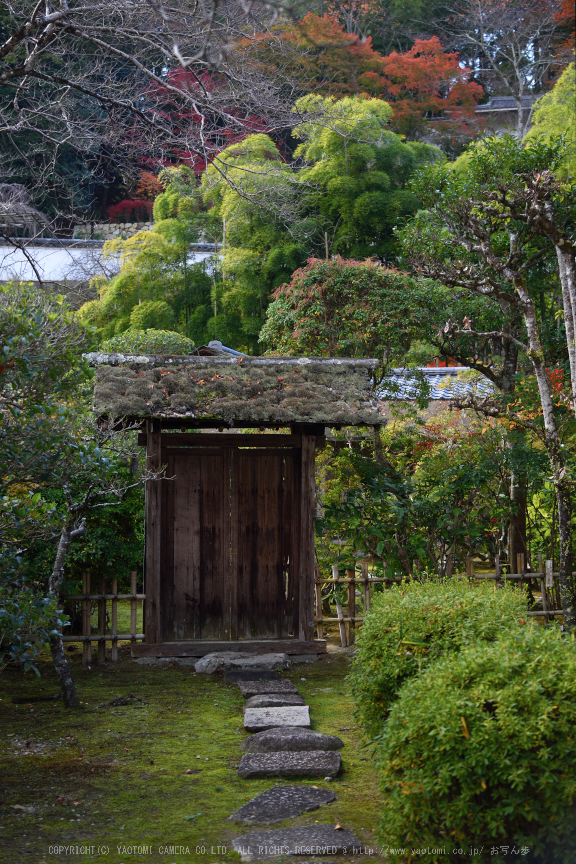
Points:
(480, 751)
(411, 625)
(152, 313)
(148, 342)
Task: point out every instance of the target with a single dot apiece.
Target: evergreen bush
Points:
(152, 314)
(148, 342)
(479, 752)
(413, 624)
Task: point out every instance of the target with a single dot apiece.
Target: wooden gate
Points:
(229, 550)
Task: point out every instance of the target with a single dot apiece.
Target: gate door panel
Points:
(229, 556)
(264, 584)
(196, 545)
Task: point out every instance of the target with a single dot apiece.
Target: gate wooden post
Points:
(318, 592)
(153, 534)
(307, 559)
(114, 627)
(102, 620)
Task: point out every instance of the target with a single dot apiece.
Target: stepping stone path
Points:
(259, 719)
(273, 701)
(309, 840)
(291, 739)
(312, 763)
(282, 802)
(286, 747)
(219, 661)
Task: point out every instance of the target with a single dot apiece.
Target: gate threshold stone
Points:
(259, 719)
(314, 763)
(282, 802)
(308, 840)
(219, 661)
(261, 688)
(272, 700)
(292, 739)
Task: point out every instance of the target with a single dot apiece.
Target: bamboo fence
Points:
(360, 586)
(102, 598)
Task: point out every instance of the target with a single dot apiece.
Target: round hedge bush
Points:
(148, 342)
(480, 751)
(413, 624)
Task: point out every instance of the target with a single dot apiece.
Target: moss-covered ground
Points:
(115, 775)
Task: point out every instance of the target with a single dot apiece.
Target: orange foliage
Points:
(148, 186)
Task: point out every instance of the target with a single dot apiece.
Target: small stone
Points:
(220, 661)
(263, 688)
(282, 802)
(316, 763)
(273, 701)
(307, 840)
(292, 739)
(258, 719)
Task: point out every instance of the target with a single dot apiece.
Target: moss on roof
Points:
(236, 392)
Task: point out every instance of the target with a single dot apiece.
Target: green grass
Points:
(124, 765)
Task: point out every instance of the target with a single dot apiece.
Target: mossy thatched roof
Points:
(236, 391)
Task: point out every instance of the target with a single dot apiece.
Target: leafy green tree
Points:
(554, 117)
(359, 170)
(483, 231)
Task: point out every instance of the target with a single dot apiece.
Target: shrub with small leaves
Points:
(415, 623)
(479, 751)
(148, 342)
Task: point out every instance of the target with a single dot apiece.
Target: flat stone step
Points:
(282, 802)
(315, 763)
(258, 719)
(233, 676)
(292, 739)
(219, 661)
(272, 700)
(308, 840)
(260, 688)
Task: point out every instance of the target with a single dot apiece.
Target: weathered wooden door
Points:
(229, 543)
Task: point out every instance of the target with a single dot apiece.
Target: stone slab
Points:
(258, 719)
(308, 840)
(221, 661)
(233, 676)
(273, 700)
(313, 763)
(282, 802)
(293, 739)
(260, 688)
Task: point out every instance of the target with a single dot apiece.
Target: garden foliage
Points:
(412, 625)
(479, 750)
(149, 342)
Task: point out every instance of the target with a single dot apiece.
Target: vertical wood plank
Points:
(152, 557)
(351, 574)
(86, 622)
(102, 620)
(170, 493)
(339, 613)
(114, 627)
(291, 541)
(318, 596)
(366, 586)
(307, 556)
(133, 605)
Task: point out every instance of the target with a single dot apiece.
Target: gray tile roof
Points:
(444, 382)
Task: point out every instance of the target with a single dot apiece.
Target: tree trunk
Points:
(567, 273)
(69, 694)
(61, 666)
(555, 455)
(517, 530)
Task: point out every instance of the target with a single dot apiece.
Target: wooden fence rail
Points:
(546, 582)
(102, 636)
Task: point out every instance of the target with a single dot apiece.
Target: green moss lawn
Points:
(114, 775)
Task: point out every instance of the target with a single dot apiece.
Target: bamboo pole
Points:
(318, 596)
(133, 605)
(102, 621)
(86, 623)
(341, 625)
(520, 567)
(351, 605)
(366, 586)
(543, 587)
(114, 627)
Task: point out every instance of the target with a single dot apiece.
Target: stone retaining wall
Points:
(110, 230)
